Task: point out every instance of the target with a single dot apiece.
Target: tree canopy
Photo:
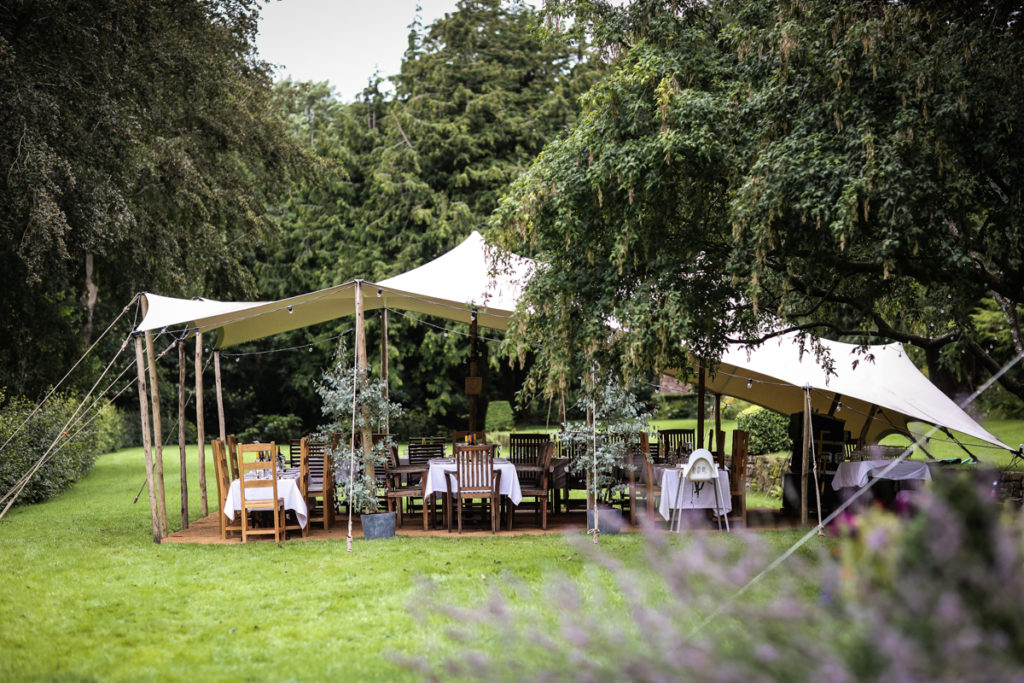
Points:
(847, 168)
(139, 151)
(405, 176)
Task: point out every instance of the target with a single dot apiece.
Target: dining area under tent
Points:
(878, 393)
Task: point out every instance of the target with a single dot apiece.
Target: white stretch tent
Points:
(876, 391)
(452, 286)
(880, 391)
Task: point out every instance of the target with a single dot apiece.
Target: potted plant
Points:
(602, 445)
(355, 407)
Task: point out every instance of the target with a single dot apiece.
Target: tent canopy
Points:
(876, 393)
(453, 286)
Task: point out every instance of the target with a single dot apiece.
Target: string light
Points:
(308, 346)
(750, 383)
(290, 310)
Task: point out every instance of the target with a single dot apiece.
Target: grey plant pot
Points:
(609, 520)
(378, 525)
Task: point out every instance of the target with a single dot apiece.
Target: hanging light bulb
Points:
(839, 406)
(290, 311)
(750, 384)
(380, 292)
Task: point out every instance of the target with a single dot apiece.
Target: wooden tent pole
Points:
(181, 433)
(384, 363)
(366, 432)
(158, 440)
(474, 405)
(201, 424)
(220, 395)
(700, 408)
(719, 441)
(805, 452)
(147, 445)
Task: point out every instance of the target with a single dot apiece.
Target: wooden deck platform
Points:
(207, 530)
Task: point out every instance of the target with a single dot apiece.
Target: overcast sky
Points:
(341, 41)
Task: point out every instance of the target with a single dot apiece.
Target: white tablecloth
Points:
(857, 473)
(509, 485)
(691, 498)
(287, 488)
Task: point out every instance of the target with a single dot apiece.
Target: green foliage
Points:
(277, 428)
(499, 417)
(109, 430)
(70, 459)
(769, 430)
(619, 417)
(673, 407)
(846, 167)
(355, 403)
(140, 150)
(400, 178)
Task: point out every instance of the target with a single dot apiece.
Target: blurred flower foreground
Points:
(934, 594)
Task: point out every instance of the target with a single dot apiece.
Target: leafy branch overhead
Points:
(848, 168)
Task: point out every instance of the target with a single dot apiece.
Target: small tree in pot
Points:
(619, 415)
(355, 404)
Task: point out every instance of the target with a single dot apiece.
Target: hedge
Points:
(499, 417)
(69, 462)
(769, 430)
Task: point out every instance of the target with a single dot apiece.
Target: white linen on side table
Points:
(287, 489)
(508, 486)
(857, 473)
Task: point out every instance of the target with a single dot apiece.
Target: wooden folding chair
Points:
(258, 487)
(475, 478)
(316, 481)
(422, 449)
(537, 488)
(232, 446)
(220, 466)
(398, 490)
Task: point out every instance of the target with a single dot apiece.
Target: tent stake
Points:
(147, 445)
(181, 433)
(158, 439)
(201, 424)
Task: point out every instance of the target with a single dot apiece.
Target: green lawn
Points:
(88, 595)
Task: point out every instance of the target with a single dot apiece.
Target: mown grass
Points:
(87, 594)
